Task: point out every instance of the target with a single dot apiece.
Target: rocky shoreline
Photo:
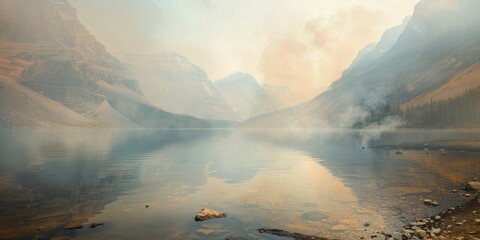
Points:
(440, 145)
(460, 222)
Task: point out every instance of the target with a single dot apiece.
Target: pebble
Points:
(436, 230)
(397, 236)
(438, 217)
(422, 233)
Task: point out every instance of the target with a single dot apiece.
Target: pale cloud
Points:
(310, 60)
(289, 61)
(124, 26)
(303, 44)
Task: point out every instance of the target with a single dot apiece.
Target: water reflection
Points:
(316, 183)
(53, 178)
(386, 182)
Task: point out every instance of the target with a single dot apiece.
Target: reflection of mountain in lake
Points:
(69, 177)
(77, 176)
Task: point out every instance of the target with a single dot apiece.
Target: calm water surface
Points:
(317, 182)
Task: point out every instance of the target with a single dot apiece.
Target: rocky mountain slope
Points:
(46, 49)
(172, 82)
(456, 85)
(437, 45)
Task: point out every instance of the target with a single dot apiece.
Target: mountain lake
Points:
(150, 184)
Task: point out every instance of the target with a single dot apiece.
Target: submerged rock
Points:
(206, 214)
(283, 233)
(74, 227)
(94, 225)
(314, 216)
(339, 228)
(80, 226)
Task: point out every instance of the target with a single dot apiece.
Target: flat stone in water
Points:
(205, 231)
(309, 204)
(339, 228)
(283, 233)
(314, 216)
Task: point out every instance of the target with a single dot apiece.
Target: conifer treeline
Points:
(459, 111)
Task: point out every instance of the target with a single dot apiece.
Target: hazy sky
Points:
(304, 44)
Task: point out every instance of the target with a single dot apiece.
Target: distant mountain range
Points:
(249, 98)
(415, 72)
(171, 82)
(54, 73)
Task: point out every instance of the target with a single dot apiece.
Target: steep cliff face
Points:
(46, 48)
(171, 82)
(64, 61)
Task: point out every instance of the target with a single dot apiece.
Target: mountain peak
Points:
(238, 79)
(432, 18)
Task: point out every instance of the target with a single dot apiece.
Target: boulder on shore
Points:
(472, 186)
(206, 214)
